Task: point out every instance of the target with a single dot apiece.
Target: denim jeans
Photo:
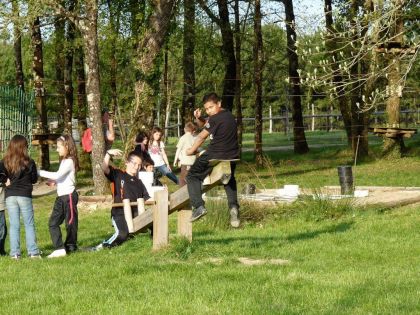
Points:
(3, 232)
(21, 205)
(165, 171)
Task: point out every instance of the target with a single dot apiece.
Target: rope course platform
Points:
(392, 132)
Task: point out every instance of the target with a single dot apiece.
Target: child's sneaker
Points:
(58, 253)
(234, 217)
(198, 213)
(15, 257)
(35, 256)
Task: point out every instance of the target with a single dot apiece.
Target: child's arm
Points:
(165, 158)
(179, 147)
(66, 166)
(107, 159)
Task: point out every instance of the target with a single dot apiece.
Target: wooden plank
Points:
(220, 172)
(160, 220)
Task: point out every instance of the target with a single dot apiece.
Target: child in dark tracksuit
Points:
(65, 205)
(126, 185)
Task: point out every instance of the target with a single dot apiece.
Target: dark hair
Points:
(16, 157)
(135, 154)
(211, 97)
(69, 144)
(141, 136)
(154, 130)
(147, 161)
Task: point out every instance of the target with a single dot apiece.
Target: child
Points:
(3, 226)
(65, 205)
(126, 185)
(21, 173)
(141, 144)
(158, 155)
(185, 161)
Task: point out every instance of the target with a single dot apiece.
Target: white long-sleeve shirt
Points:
(65, 177)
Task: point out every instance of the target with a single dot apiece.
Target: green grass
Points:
(343, 259)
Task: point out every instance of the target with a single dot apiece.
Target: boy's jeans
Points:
(21, 205)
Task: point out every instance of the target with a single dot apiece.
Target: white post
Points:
(140, 205)
(178, 127)
(271, 120)
(313, 117)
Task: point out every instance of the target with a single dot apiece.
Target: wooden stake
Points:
(160, 220)
(128, 215)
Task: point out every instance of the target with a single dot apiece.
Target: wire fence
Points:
(16, 108)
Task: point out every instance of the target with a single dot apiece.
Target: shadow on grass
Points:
(338, 228)
(204, 237)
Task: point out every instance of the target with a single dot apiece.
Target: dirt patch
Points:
(255, 262)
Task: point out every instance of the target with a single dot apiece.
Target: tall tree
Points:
(17, 44)
(258, 69)
(68, 70)
(59, 38)
(299, 139)
(188, 62)
(38, 73)
(148, 49)
(227, 50)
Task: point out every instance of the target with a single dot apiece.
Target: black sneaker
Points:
(234, 217)
(198, 213)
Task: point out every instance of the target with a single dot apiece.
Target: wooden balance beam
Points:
(177, 201)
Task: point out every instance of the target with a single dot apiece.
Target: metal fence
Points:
(15, 114)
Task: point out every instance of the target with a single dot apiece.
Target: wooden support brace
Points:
(160, 220)
(128, 215)
(184, 224)
(140, 206)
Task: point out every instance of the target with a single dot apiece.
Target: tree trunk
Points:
(59, 25)
(188, 62)
(38, 73)
(258, 55)
(81, 84)
(17, 45)
(88, 29)
(228, 54)
(68, 73)
(331, 46)
(148, 49)
(300, 144)
(238, 82)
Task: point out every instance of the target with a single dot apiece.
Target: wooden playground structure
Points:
(163, 205)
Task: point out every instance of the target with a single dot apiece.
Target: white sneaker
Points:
(58, 253)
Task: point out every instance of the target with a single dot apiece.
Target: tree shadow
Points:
(337, 228)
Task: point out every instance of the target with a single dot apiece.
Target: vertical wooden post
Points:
(140, 205)
(160, 220)
(184, 224)
(128, 215)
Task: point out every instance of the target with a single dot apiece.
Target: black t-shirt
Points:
(21, 182)
(126, 186)
(223, 136)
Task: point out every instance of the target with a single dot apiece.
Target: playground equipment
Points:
(163, 205)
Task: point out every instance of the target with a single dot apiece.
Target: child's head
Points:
(142, 138)
(156, 134)
(133, 163)
(148, 165)
(189, 127)
(66, 149)
(16, 157)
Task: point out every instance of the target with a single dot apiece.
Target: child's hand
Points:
(7, 182)
(51, 183)
(197, 113)
(114, 152)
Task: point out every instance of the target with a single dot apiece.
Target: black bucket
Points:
(345, 176)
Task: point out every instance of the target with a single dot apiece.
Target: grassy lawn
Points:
(341, 258)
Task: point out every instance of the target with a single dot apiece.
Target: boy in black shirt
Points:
(125, 185)
(222, 129)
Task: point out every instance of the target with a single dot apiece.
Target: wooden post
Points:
(160, 220)
(140, 205)
(184, 224)
(128, 215)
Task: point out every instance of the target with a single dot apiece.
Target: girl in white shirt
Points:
(157, 153)
(65, 206)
